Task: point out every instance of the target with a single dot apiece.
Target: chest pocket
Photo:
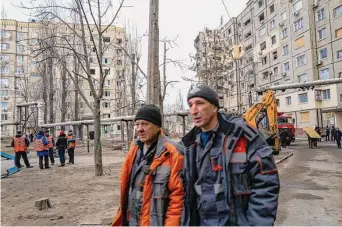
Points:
(240, 179)
(160, 183)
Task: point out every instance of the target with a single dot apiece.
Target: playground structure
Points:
(9, 171)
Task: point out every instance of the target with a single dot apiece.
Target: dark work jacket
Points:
(62, 142)
(250, 188)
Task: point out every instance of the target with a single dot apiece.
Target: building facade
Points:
(21, 79)
(286, 42)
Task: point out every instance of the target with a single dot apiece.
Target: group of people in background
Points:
(44, 144)
(335, 134)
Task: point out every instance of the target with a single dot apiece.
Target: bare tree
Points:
(90, 31)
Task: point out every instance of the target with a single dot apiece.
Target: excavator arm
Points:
(268, 105)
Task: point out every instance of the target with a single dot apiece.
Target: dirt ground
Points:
(77, 197)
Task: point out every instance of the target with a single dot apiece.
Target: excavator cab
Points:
(263, 115)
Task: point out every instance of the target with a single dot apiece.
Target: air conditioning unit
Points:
(314, 5)
(318, 95)
(320, 62)
(281, 24)
(295, 13)
(260, 53)
(284, 74)
(6, 98)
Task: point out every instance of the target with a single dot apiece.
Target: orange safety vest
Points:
(50, 145)
(39, 145)
(19, 144)
(71, 144)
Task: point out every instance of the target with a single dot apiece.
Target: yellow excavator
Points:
(267, 107)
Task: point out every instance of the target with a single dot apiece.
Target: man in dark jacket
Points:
(62, 144)
(327, 134)
(333, 132)
(20, 145)
(230, 176)
(338, 135)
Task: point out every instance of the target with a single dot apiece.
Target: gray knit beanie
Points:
(205, 92)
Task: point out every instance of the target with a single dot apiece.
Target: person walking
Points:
(151, 187)
(20, 145)
(327, 133)
(230, 175)
(41, 147)
(333, 130)
(71, 147)
(338, 135)
(61, 144)
(50, 146)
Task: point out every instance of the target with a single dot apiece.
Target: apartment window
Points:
(338, 33)
(20, 59)
(274, 40)
(322, 33)
(326, 94)
(283, 16)
(118, 127)
(90, 60)
(303, 78)
(339, 54)
(303, 98)
(118, 83)
(323, 54)
(247, 22)
(4, 117)
(286, 67)
(285, 50)
(5, 34)
(299, 24)
(119, 62)
(92, 71)
(105, 60)
(20, 48)
(4, 59)
(283, 33)
(260, 3)
(4, 69)
(265, 75)
(275, 55)
(5, 46)
(338, 11)
(106, 105)
(3, 93)
(272, 24)
(105, 115)
(106, 39)
(118, 52)
(263, 45)
(261, 17)
(4, 82)
(324, 74)
(94, 49)
(107, 93)
(298, 5)
(288, 100)
(264, 60)
(299, 42)
(4, 106)
(301, 60)
(107, 84)
(275, 71)
(90, 93)
(304, 116)
(20, 70)
(262, 31)
(272, 8)
(320, 14)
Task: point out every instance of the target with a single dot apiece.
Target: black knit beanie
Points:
(151, 113)
(205, 92)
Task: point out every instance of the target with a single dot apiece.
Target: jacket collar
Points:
(224, 126)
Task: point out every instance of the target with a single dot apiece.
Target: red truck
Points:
(286, 123)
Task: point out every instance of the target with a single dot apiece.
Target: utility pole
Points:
(153, 74)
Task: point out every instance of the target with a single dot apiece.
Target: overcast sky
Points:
(182, 18)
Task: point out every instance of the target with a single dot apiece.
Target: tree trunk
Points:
(97, 138)
(52, 89)
(45, 96)
(63, 97)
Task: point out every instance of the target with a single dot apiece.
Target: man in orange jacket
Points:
(151, 188)
(20, 145)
